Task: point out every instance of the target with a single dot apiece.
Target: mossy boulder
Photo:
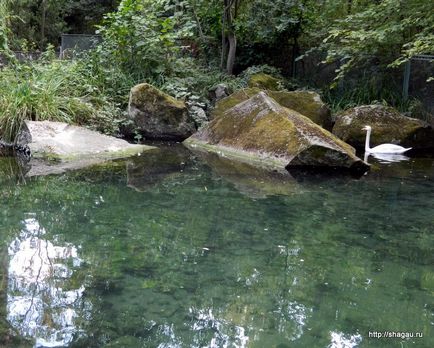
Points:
(157, 115)
(388, 126)
(307, 103)
(264, 81)
(262, 132)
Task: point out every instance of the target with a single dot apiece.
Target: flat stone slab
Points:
(57, 147)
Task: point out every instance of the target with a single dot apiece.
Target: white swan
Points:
(383, 148)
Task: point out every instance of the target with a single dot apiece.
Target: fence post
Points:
(406, 79)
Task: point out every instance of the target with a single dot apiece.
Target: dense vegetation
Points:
(186, 47)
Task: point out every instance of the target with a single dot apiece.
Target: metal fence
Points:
(21, 56)
(73, 44)
(416, 73)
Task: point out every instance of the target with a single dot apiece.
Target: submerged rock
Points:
(388, 126)
(307, 103)
(262, 132)
(265, 81)
(158, 165)
(249, 180)
(72, 147)
(157, 115)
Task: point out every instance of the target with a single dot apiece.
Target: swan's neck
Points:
(368, 137)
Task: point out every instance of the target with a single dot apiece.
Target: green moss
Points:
(388, 126)
(273, 134)
(234, 99)
(264, 81)
(146, 94)
(305, 102)
(157, 115)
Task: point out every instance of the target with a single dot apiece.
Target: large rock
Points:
(307, 103)
(264, 81)
(262, 132)
(71, 147)
(388, 126)
(157, 115)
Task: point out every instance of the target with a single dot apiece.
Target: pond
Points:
(175, 249)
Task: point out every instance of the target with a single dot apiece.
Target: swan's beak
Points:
(364, 128)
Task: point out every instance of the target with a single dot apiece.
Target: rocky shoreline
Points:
(263, 126)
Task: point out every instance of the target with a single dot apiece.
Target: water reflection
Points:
(341, 340)
(39, 305)
(225, 333)
(386, 157)
(254, 182)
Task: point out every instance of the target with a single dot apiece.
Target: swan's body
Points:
(383, 148)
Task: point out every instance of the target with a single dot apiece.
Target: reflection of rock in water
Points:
(13, 169)
(252, 181)
(38, 305)
(146, 171)
(6, 334)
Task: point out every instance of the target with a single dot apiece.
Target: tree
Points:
(35, 24)
(384, 33)
(229, 16)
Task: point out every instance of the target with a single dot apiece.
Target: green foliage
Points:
(385, 33)
(5, 32)
(38, 23)
(268, 21)
(244, 77)
(140, 39)
(53, 90)
(367, 91)
(191, 80)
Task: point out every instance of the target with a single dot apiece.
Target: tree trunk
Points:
(231, 55)
(349, 6)
(223, 52)
(295, 54)
(229, 13)
(43, 19)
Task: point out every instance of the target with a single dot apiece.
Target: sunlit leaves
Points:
(389, 31)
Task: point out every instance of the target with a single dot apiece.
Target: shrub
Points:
(53, 90)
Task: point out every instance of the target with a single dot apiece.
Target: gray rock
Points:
(388, 126)
(219, 92)
(307, 103)
(198, 115)
(262, 132)
(157, 115)
(67, 147)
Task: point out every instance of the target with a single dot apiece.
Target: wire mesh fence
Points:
(73, 44)
(417, 72)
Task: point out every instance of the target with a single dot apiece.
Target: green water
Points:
(172, 249)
